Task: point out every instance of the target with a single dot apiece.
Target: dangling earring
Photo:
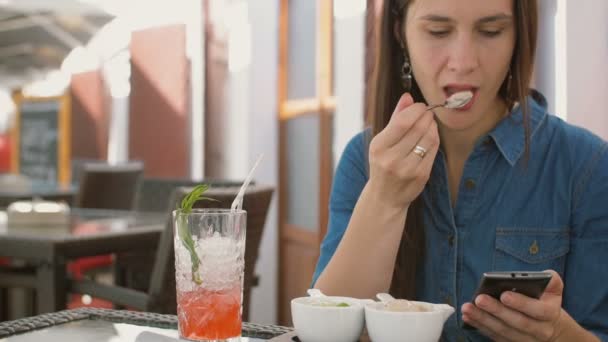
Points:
(406, 73)
(507, 87)
(509, 81)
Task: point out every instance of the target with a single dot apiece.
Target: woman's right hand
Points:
(397, 174)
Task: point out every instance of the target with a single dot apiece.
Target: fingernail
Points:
(506, 297)
(480, 301)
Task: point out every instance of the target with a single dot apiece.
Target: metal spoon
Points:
(456, 100)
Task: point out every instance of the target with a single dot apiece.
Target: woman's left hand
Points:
(517, 317)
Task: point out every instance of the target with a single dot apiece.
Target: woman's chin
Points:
(456, 121)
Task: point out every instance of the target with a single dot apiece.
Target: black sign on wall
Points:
(41, 136)
(39, 133)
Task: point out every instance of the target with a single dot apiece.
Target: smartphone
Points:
(531, 284)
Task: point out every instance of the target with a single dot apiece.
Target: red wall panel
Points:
(159, 133)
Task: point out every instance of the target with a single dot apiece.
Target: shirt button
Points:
(451, 240)
(469, 184)
(534, 248)
(448, 300)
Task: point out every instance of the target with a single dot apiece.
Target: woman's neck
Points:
(457, 145)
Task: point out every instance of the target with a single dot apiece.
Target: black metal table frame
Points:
(50, 256)
(148, 319)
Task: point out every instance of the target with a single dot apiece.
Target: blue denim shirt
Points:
(557, 201)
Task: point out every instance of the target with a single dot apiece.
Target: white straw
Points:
(238, 201)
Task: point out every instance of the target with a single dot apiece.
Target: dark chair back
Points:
(76, 167)
(256, 202)
(108, 186)
(154, 193)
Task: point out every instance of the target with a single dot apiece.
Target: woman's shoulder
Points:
(574, 136)
(585, 151)
(353, 164)
(576, 140)
(351, 172)
(359, 142)
(356, 149)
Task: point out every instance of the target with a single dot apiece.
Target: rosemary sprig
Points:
(184, 234)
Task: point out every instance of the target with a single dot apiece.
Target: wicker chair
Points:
(160, 294)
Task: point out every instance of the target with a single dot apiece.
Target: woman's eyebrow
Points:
(494, 18)
(484, 20)
(436, 18)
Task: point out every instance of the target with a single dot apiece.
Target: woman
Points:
(427, 201)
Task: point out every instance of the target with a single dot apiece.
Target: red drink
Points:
(209, 269)
(209, 315)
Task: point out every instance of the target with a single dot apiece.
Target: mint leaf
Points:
(182, 228)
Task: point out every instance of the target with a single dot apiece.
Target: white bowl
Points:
(327, 323)
(400, 326)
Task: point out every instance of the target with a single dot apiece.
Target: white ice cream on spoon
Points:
(459, 99)
(456, 100)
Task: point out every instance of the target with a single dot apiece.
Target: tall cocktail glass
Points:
(209, 268)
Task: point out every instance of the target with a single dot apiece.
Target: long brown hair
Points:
(385, 90)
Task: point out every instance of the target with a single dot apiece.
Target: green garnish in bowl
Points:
(182, 228)
(343, 305)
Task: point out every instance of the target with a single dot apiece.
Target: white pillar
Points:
(116, 74)
(118, 140)
(263, 138)
(195, 47)
(349, 54)
(236, 141)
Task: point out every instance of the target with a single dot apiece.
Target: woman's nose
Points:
(464, 58)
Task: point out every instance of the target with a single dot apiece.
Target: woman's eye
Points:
(439, 33)
(491, 33)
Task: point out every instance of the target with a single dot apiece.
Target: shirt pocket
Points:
(534, 249)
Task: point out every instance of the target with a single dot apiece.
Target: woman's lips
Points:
(469, 105)
(454, 89)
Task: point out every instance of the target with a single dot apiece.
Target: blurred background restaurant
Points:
(195, 90)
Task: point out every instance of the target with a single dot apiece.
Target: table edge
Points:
(28, 324)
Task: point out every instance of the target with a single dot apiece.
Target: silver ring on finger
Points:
(419, 151)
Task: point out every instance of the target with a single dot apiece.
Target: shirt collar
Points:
(509, 135)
